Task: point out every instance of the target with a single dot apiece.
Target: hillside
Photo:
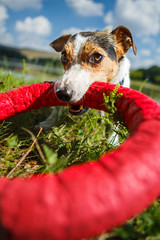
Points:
(30, 54)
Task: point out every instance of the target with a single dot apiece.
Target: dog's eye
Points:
(95, 58)
(64, 57)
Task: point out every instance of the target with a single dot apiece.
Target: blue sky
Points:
(35, 23)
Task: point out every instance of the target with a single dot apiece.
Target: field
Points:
(25, 151)
(69, 142)
(30, 54)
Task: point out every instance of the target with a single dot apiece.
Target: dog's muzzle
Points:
(64, 96)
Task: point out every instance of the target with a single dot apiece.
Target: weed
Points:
(113, 121)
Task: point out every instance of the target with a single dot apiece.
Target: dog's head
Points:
(88, 57)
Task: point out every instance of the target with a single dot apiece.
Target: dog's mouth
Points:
(77, 109)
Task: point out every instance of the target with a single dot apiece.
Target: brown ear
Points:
(59, 43)
(124, 40)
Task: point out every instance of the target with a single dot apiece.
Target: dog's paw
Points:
(44, 125)
(51, 121)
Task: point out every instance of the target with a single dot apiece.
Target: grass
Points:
(73, 140)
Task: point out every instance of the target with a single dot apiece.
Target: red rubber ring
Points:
(87, 199)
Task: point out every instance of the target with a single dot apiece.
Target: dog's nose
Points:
(63, 95)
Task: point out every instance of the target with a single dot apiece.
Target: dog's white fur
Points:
(123, 74)
(77, 80)
(78, 44)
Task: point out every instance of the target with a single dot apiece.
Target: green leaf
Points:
(12, 142)
(51, 156)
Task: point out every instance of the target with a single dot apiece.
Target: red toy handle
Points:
(87, 199)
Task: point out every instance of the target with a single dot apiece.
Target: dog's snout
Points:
(63, 95)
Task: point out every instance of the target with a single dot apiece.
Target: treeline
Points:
(8, 53)
(151, 73)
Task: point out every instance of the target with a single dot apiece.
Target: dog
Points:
(89, 57)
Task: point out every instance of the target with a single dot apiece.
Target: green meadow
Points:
(25, 151)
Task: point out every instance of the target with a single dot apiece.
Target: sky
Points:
(36, 23)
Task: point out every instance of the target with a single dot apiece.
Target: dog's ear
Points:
(124, 40)
(59, 43)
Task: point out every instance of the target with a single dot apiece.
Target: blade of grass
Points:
(142, 84)
(36, 143)
(10, 174)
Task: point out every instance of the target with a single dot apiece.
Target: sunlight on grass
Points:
(73, 140)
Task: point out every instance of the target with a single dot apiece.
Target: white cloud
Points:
(5, 38)
(147, 40)
(74, 30)
(3, 13)
(157, 58)
(33, 42)
(140, 15)
(109, 19)
(86, 7)
(148, 62)
(32, 32)
(145, 52)
(38, 25)
(22, 4)
(141, 61)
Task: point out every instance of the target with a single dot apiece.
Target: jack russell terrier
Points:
(89, 57)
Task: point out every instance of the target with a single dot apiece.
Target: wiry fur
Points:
(80, 70)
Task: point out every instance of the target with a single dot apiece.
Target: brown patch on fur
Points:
(123, 39)
(105, 71)
(88, 50)
(69, 54)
